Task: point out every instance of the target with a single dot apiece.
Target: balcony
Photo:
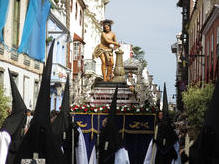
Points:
(26, 61)
(14, 56)
(59, 73)
(36, 65)
(1, 49)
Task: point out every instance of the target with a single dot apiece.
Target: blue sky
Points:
(153, 26)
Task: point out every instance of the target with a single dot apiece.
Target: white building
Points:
(94, 13)
(25, 70)
(56, 29)
(76, 57)
(77, 8)
(127, 49)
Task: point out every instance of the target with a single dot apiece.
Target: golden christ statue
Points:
(105, 50)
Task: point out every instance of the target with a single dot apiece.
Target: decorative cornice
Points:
(92, 16)
(53, 18)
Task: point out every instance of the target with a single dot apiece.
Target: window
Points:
(55, 102)
(217, 53)
(15, 77)
(71, 5)
(57, 56)
(80, 18)
(76, 10)
(71, 56)
(76, 50)
(212, 55)
(207, 59)
(35, 94)
(79, 64)
(212, 50)
(1, 49)
(16, 19)
(1, 78)
(26, 91)
(63, 56)
(218, 41)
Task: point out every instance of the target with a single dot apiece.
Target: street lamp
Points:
(174, 95)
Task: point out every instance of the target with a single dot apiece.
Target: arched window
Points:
(16, 23)
(80, 17)
(76, 10)
(71, 5)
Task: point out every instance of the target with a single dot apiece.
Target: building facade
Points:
(77, 8)
(76, 56)
(203, 40)
(86, 38)
(25, 70)
(56, 29)
(181, 71)
(181, 50)
(198, 50)
(94, 14)
(210, 32)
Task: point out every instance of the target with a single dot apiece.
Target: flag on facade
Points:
(34, 32)
(205, 148)
(39, 138)
(13, 125)
(110, 139)
(3, 16)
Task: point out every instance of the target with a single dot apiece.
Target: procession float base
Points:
(103, 92)
(136, 129)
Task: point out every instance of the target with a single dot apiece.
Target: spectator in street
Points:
(29, 118)
(53, 115)
(159, 116)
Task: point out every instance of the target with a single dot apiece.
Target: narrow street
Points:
(109, 82)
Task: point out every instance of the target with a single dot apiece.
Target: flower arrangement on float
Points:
(86, 108)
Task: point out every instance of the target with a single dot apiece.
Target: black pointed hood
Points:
(16, 120)
(62, 127)
(110, 139)
(166, 136)
(42, 109)
(62, 122)
(39, 138)
(165, 102)
(114, 103)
